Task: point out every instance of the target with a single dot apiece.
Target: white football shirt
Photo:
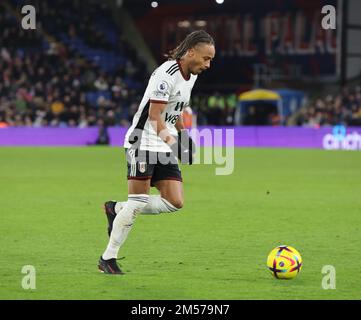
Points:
(166, 85)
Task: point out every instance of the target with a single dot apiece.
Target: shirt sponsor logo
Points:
(171, 118)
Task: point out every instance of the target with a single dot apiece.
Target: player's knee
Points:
(131, 209)
(178, 203)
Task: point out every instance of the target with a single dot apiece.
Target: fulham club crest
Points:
(142, 167)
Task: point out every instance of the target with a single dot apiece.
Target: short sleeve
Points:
(160, 86)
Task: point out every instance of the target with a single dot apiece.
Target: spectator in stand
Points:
(343, 108)
(48, 87)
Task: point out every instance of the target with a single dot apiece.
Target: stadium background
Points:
(77, 80)
(76, 70)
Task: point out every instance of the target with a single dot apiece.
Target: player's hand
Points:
(181, 152)
(187, 141)
(184, 148)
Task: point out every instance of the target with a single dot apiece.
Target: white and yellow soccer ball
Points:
(284, 262)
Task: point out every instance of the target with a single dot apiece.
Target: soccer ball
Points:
(284, 262)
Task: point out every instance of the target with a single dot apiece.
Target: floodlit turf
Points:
(215, 248)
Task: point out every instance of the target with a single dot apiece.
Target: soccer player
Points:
(155, 141)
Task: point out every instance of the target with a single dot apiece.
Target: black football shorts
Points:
(143, 165)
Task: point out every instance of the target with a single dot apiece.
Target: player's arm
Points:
(184, 138)
(155, 116)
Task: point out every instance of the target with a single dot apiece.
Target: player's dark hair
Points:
(191, 40)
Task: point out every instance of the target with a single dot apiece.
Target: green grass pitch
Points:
(214, 248)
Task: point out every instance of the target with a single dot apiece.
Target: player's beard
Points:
(197, 71)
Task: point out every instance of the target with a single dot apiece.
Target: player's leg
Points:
(139, 175)
(171, 191)
(139, 169)
(167, 178)
(138, 196)
(157, 204)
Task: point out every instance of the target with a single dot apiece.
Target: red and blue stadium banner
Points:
(284, 35)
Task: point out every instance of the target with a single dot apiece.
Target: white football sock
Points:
(123, 224)
(156, 205)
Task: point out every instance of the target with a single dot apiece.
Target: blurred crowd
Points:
(342, 108)
(41, 89)
(48, 85)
